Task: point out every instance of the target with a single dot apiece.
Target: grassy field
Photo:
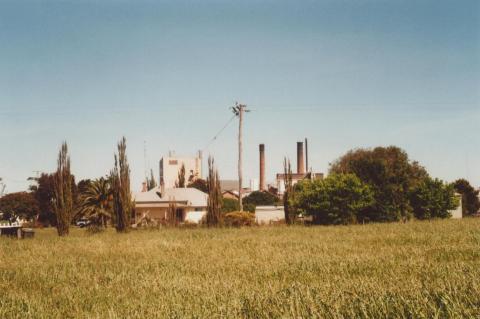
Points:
(418, 269)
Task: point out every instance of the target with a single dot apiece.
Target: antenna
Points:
(145, 158)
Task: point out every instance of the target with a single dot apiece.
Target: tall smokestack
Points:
(262, 166)
(300, 159)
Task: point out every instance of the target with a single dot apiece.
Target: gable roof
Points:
(189, 196)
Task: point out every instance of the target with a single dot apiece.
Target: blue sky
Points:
(343, 73)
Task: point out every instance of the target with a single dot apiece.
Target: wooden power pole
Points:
(238, 110)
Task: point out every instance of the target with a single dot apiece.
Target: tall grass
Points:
(413, 270)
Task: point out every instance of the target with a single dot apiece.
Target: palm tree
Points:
(95, 202)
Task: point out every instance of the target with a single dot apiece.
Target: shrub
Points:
(239, 219)
(433, 199)
(338, 199)
(259, 198)
(391, 176)
(231, 205)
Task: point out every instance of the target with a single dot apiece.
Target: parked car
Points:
(82, 223)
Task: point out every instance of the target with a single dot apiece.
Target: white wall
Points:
(457, 213)
(170, 166)
(194, 216)
(268, 214)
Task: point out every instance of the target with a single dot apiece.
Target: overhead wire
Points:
(218, 133)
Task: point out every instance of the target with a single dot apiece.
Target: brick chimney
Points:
(262, 166)
(300, 159)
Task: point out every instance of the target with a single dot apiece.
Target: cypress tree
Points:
(122, 200)
(214, 208)
(62, 197)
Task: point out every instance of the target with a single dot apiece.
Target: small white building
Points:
(457, 212)
(269, 214)
(191, 204)
(170, 167)
(296, 177)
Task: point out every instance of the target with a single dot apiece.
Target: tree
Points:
(43, 192)
(181, 177)
(172, 212)
(214, 205)
(338, 199)
(199, 184)
(433, 199)
(470, 201)
(259, 198)
(232, 205)
(63, 195)
(390, 175)
(151, 183)
(288, 195)
(21, 204)
(120, 179)
(95, 202)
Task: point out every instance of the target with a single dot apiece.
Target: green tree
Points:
(181, 177)
(120, 179)
(63, 195)
(232, 205)
(214, 205)
(43, 191)
(259, 198)
(288, 194)
(95, 202)
(199, 184)
(338, 199)
(470, 201)
(433, 199)
(151, 183)
(390, 175)
(21, 204)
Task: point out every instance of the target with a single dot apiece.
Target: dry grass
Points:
(413, 270)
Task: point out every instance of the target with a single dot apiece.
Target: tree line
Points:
(56, 199)
(364, 185)
(376, 185)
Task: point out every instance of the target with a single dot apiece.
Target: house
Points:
(191, 204)
(170, 167)
(230, 194)
(229, 189)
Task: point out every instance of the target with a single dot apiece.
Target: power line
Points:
(219, 132)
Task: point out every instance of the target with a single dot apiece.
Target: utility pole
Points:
(238, 110)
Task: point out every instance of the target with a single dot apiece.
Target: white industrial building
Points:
(170, 167)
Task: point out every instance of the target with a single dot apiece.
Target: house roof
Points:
(190, 196)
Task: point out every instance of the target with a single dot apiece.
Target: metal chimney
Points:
(262, 166)
(300, 159)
